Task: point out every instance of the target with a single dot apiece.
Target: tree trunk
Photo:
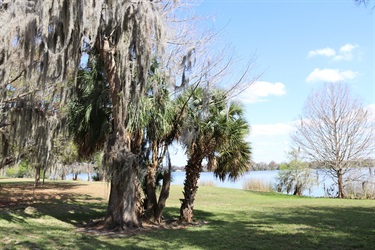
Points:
(193, 170)
(340, 184)
(122, 211)
(164, 194)
(298, 189)
(37, 176)
(88, 172)
(44, 175)
(151, 204)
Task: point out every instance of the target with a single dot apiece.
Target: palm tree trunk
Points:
(193, 170)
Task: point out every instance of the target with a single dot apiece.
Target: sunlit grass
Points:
(233, 219)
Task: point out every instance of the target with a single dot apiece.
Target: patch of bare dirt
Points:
(17, 193)
(96, 228)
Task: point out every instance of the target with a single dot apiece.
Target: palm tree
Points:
(215, 130)
(90, 111)
(158, 112)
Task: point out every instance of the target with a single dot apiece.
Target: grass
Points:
(257, 185)
(236, 219)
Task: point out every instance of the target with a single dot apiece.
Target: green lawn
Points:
(236, 219)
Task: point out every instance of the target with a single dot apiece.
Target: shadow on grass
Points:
(284, 228)
(49, 220)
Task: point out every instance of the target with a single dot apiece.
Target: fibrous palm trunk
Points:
(151, 202)
(193, 170)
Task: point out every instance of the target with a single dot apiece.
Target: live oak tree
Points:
(41, 45)
(335, 130)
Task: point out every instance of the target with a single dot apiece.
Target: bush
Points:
(360, 190)
(11, 172)
(22, 170)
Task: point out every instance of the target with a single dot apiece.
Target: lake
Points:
(267, 176)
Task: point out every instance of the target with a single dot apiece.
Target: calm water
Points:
(264, 176)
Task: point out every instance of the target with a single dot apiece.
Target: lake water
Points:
(317, 190)
(267, 176)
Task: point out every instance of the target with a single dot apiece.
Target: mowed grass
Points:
(232, 219)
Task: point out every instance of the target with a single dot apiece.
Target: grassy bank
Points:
(50, 218)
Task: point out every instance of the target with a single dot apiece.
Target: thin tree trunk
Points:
(88, 172)
(193, 170)
(44, 175)
(164, 194)
(37, 176)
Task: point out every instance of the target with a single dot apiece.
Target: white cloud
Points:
(270, 141)
(348, 48)
(330, 75)
(271, 129)
(258, 91)
(322, 52)
(344, 53)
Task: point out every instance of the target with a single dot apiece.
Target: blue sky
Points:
(299, 45)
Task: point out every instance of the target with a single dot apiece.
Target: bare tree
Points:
(335, 130)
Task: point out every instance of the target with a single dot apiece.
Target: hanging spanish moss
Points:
(41, 46)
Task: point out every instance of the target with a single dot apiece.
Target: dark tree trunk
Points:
(193, 170)
(164, 194)
(123, 207)
(298, 189)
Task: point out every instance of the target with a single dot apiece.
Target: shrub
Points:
(360, 190)
(22, 170)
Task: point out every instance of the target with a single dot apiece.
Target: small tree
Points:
(295, 176)
(215, 130)
(335, 130)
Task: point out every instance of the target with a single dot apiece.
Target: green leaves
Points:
(90, 112)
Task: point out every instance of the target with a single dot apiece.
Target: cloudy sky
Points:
(298, 45)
